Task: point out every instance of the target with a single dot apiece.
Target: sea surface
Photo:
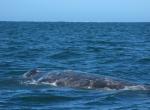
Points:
(120, 50)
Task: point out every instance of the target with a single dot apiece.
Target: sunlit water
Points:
(120, 50)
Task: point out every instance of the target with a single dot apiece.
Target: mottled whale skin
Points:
(76, 79)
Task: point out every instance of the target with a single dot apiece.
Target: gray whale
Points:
(76, 79)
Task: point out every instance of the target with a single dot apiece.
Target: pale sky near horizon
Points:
(75, 10)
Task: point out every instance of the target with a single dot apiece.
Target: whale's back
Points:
(77, 79)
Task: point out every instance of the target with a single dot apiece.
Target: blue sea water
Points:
(120, 50)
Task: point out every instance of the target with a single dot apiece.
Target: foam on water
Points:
(52, 84)
(28, 82)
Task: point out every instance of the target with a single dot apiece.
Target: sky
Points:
(75, 10)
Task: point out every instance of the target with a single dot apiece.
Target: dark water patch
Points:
(145, 60)
(65, 54)
(42, 98)
(9, 84)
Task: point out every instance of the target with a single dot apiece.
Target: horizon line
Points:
(77, 21)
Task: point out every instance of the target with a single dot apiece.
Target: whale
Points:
(78, 79)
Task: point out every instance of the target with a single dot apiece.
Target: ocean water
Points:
(120, 50)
